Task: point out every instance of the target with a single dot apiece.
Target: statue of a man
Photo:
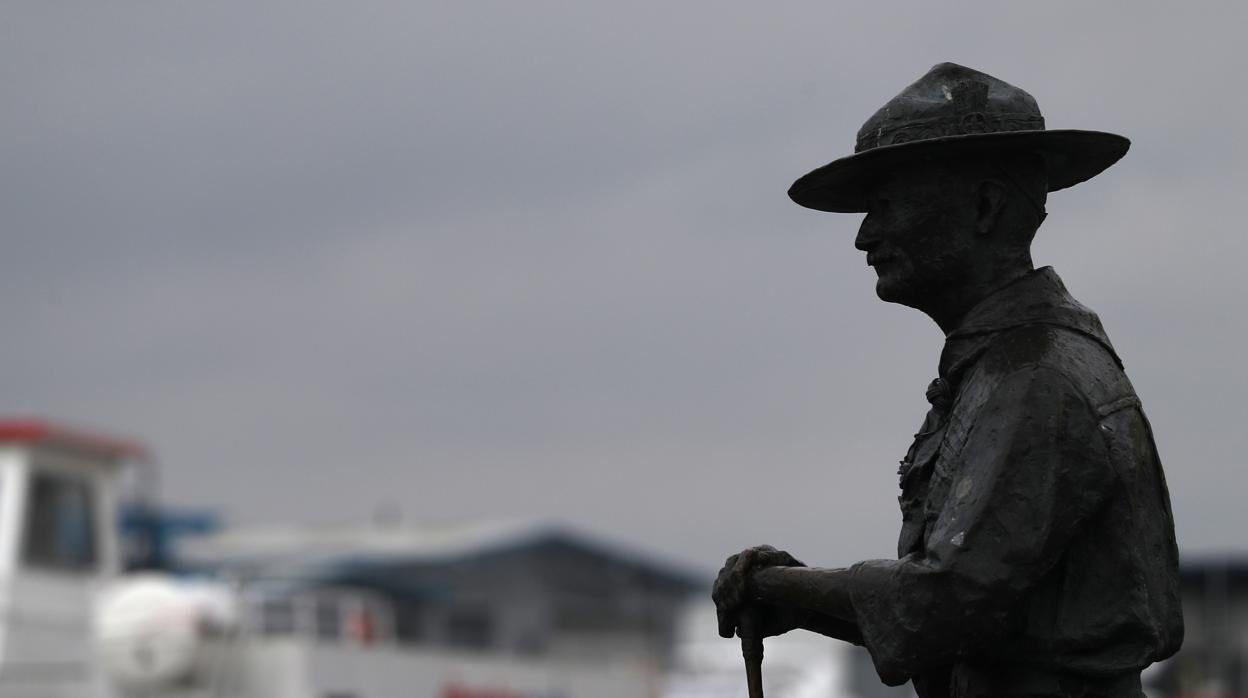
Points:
(1037, 554)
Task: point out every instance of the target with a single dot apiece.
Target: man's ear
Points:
(989, 202)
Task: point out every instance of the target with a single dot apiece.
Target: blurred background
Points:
(410, 299)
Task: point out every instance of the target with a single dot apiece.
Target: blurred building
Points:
(518, 590)
(481, 611)
(1213, 661)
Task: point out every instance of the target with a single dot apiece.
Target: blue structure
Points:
(149, 534)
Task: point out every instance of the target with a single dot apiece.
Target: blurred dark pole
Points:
(1218, 615)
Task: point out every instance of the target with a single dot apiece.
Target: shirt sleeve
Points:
(1033, 468)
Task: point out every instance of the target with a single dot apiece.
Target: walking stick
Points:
(751, 650)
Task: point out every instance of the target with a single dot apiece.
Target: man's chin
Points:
(892, 290)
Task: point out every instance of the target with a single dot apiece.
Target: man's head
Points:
(939, 227)
(953, 174)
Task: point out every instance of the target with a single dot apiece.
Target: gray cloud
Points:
(532, 258)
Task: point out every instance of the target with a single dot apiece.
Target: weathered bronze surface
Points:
(1037, 554)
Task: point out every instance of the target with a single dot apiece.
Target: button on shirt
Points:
(1036, 525)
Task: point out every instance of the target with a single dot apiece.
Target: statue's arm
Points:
(837, 628)
(807, 599)
(824, 592)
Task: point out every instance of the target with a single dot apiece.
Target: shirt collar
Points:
(1037, 298)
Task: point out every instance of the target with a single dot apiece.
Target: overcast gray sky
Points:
(535, 258)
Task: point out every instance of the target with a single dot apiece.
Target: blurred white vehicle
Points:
(73, 625)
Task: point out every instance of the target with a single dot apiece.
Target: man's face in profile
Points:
(919, 231)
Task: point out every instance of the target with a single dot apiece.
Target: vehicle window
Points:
(470, 629)
(328, 620)
(278, 617)
(60, 524)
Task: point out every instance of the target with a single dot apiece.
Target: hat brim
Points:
(1070, 157)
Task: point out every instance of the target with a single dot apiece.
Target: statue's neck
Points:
(949, 309)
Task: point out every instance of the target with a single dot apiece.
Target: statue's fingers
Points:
(783, 559)
(745, 565)
(727, 623)
(732, 590)
(723, 581)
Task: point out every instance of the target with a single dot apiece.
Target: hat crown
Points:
(950, 100)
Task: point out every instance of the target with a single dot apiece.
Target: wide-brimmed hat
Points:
(955, 107)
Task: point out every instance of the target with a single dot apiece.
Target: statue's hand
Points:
(733, 589)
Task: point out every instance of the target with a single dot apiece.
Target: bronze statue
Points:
(1037, 554)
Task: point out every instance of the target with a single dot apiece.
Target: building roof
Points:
(1205, 568)
(39, 432)
(310, 553)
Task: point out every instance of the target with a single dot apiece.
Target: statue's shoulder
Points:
(1083, 361)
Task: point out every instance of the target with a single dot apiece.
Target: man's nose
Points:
(868, 235)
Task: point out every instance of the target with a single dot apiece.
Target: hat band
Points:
(939, 127)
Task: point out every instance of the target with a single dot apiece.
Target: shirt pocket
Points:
(916, 466)
(915, 485)
(937, 491)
